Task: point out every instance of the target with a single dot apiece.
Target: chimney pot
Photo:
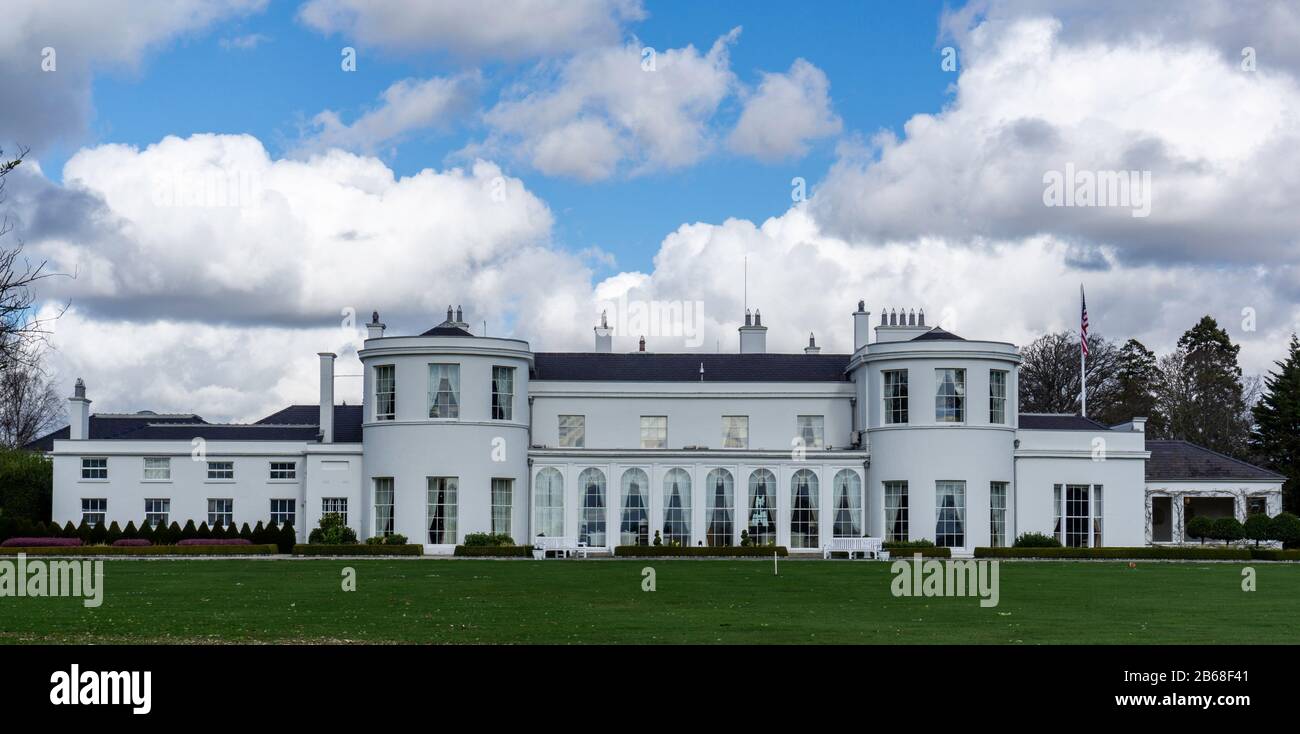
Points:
(449, 313)
(758, 317)
(921, 318)
(642, 348)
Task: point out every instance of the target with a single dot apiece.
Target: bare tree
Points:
(30, 405)
(1049, 374)
(19, 327)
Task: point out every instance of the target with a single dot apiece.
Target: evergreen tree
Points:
(1202, 391)
(1276, 439)
(130, 532)
(1136, 376)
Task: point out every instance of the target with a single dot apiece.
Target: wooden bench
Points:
(559, 544)
(864, 546)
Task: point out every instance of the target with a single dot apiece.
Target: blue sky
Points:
(882, 60)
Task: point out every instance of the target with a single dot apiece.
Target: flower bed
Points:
(494, 551)
(41, 543)
(215, 541)
(151, 550)
(726, 551)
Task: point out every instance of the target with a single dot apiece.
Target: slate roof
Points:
(659, 367)
(294, 423)
(1173, 460)
(112, 426)
(1055, 422)
(441, 330)
(937, 334)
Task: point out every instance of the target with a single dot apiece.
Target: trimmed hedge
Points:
(357, 549)
(908, 551)
(1273, 554)
(1190, 553)
(494, 551)
(213, 541)
(152, 550)
(725, 551)
(41, 543)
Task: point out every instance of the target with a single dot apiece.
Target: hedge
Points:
(1273, 554)
(494, 551)
(912, 550)
(725, 551)
(152, 550)
(357, 549)
(1191, 553)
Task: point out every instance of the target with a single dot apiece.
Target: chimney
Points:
(460, 317)
(862, 326)
(374, 329)
(812, 347)
(79, 413)
(450, 315)
(327, 397)
(604, 335)
(753, 335)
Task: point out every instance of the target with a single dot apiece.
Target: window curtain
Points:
(950, 509)
(503, 392)
(848, 505)
(442, 510)
(384, 506)
(549, 500)
(762, 507)
(502, 501)
(635, 528)
(591, 527)
(720, 488)
(677, 507)
(804, 528)
(444, 381)
(896, 511)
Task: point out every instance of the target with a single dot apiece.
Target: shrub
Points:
(174, 533)
(904, 544)
(131, 543)
(130, 532)
(189, 531)
(1227, 529)
(658, 541)
(1272, 554)
(925, 551)
(395, 539)
(728, 551)
(26, 485)
(744, 539)
(332, 531)
(152, 550)
(1258, 527)
(259, 533)
(1286, 528)
(1036, 540)
(246, 532)
(69, 530)
(43, 542)
(213, 541)
(493, 551)
(1119, 553)
(83, 531)
(483, 540)
(204, 531)
(98, 534)
(287, 539)
(375, 540)
(114, 533)
(1201, 528)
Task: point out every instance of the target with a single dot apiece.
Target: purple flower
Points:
(41, 543)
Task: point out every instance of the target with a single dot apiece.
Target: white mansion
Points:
(914, 435)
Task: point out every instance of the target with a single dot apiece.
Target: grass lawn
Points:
(483, 601)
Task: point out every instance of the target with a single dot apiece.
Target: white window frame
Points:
(998, 401)
(451, 509)
(503, 504)
(998, 513)
(894, 407)
(897, 489)
(156, 507)
(1093, 523)
(453, 403)
(503, 403)
(165, 475)
(214, 510)
(943, 402)
(818, 425)
(92, 506)
(652, 426)
(385, 398)
(385, 502)
(278, 516)
(335, 506)
(215, 471)
(732, 439)
(566, 439)
(92, 467)
(286, 475)
(958, 487)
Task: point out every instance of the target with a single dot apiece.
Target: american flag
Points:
(1083, 322)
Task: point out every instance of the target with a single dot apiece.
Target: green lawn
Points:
(472, 601)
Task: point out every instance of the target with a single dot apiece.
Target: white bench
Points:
(562, 545)
(865, 546)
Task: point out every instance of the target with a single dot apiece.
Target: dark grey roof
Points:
(112, 426)
(347, 420)
(937, 334)
(657, 367)
(1053, 422)
(1173, 460)
(443, 330)
(294, 423)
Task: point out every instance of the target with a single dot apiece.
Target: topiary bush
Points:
(1200, 528)
(1227, 529)
(1036, 540)
(288, 538)
(1286, 528)
(1258, 527)
(332, 531)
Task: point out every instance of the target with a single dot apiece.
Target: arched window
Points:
(761, 520)
(591, 523)
(847, 503)
(719, 503)
(803, 510)
(548, 501)
(635, 528)
(677, 507)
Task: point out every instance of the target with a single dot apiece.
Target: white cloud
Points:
(86, 37)
(506, 29)
(786, 112)
(1221, 146)
(406, 106)
(605, 109)
(244, 43)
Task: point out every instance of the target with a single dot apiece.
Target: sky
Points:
(227, 187)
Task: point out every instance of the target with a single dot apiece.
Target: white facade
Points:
(916, 435)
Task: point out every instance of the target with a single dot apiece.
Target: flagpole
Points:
(1083, 359)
